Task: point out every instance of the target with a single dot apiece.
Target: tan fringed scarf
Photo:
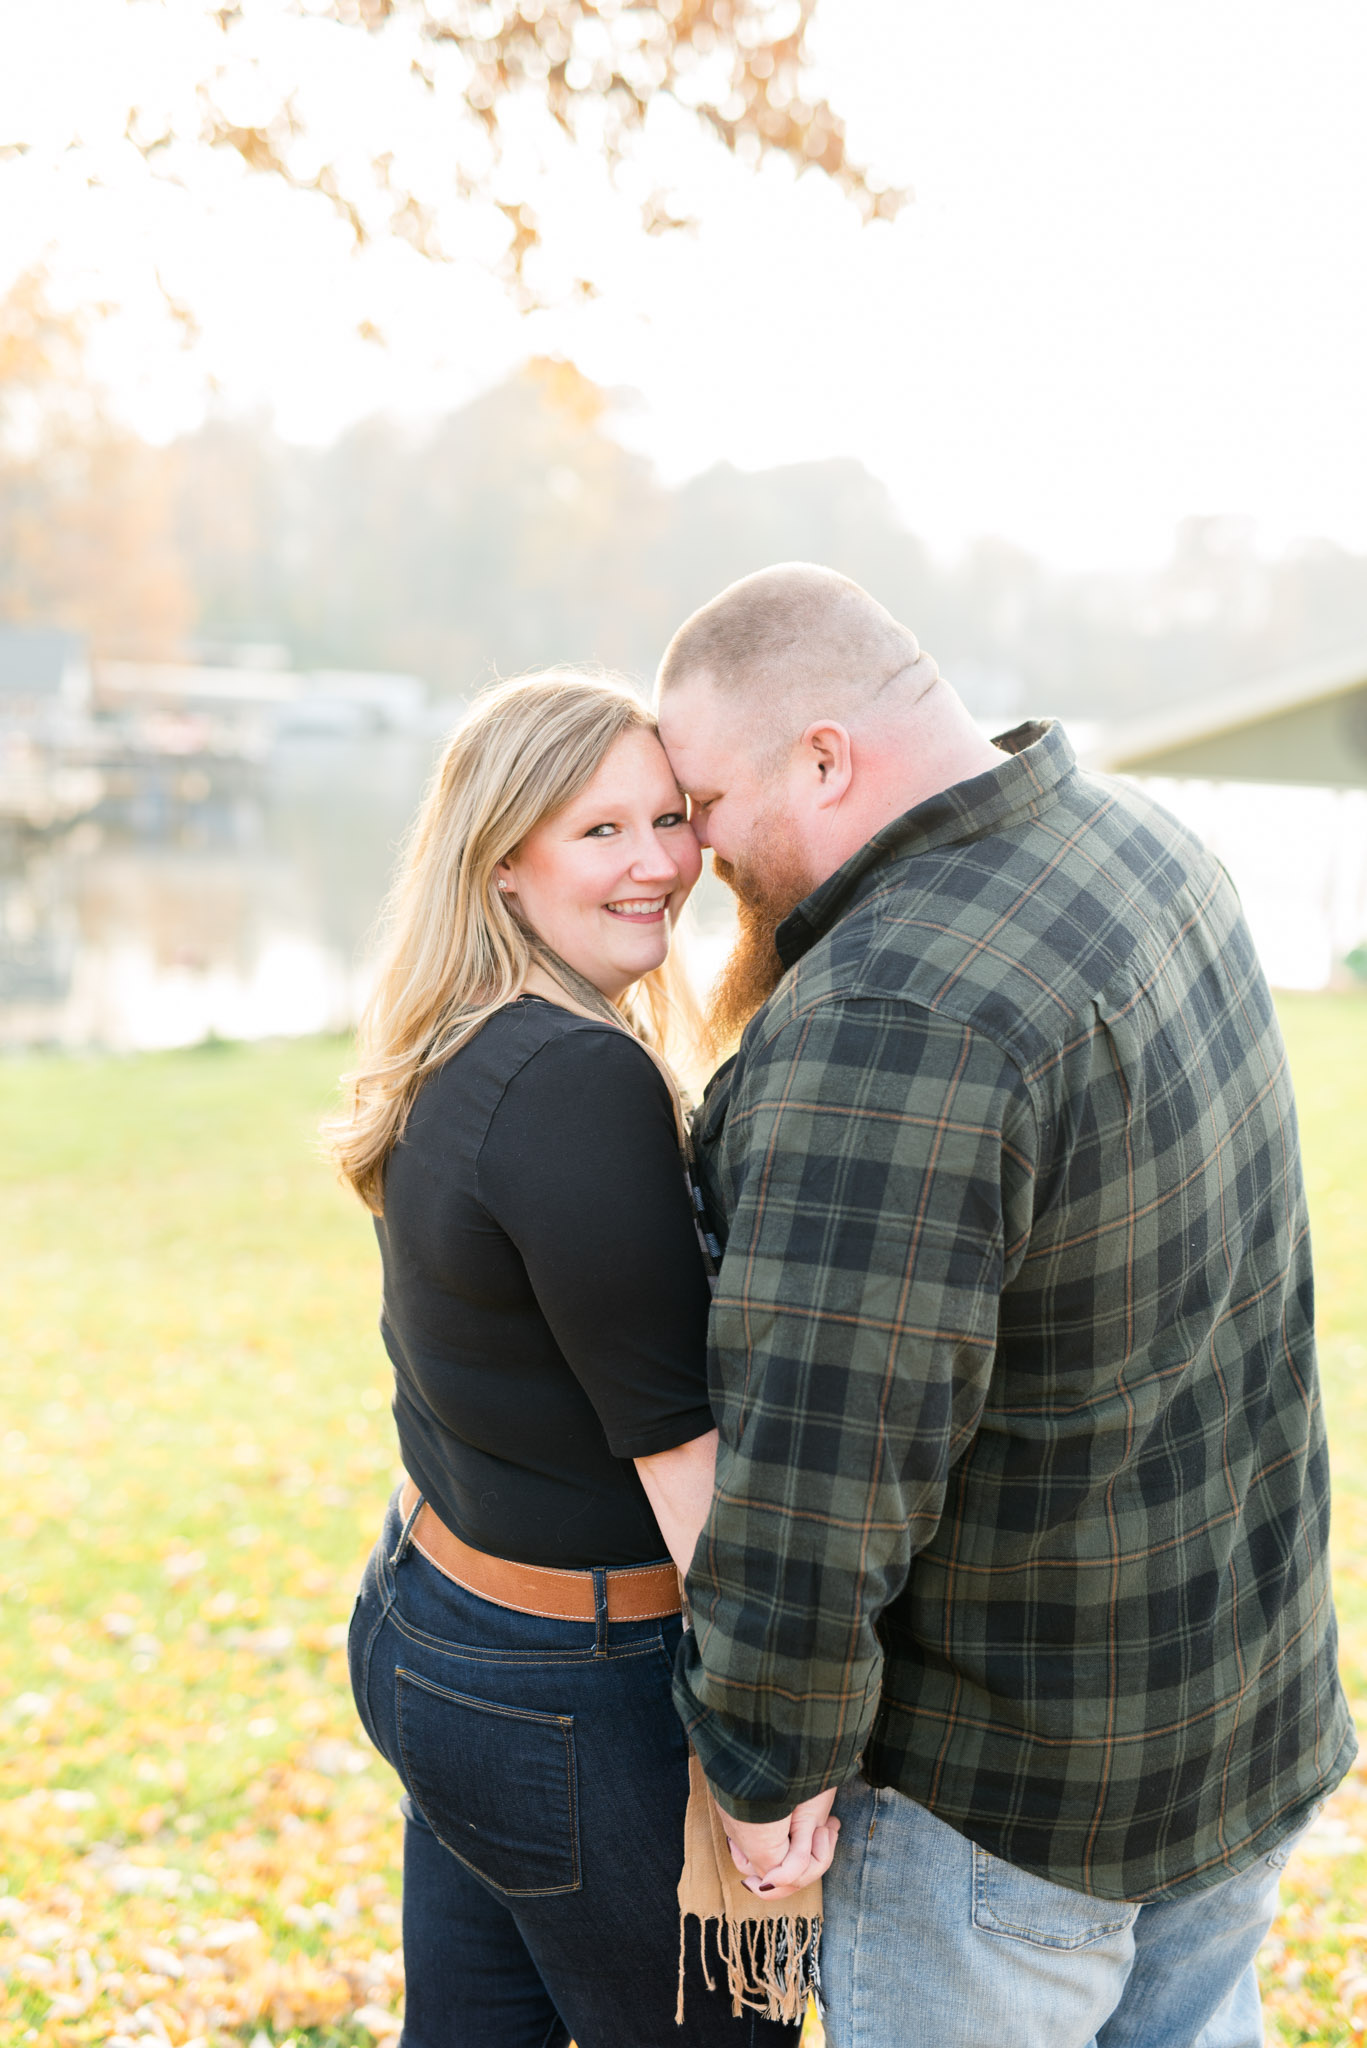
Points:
(769, 1950)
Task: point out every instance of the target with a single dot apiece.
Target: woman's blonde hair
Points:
(455, 949)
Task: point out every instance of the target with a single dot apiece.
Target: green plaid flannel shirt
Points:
(1022, 1495)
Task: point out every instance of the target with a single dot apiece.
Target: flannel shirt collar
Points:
(1038, 758)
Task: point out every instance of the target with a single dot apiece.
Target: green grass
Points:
(195, 1450)
(195, 1455)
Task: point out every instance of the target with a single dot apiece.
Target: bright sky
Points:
(1133, 285)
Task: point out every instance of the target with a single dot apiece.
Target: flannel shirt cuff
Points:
(729, 1763)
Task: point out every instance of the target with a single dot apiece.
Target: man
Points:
(1019, 1533)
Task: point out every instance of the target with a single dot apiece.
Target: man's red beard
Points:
(765, 892)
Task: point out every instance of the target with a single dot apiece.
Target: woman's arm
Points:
(678, 1485)
(580, 1167)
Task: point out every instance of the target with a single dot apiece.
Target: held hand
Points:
(776, 1858)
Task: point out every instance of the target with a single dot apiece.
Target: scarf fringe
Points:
(772, 1966)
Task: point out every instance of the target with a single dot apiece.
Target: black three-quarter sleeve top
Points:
(545, 1304)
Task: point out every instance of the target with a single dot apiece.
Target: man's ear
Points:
(828, 759)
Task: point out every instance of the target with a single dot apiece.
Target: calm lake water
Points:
(236, 902)
(232, 900)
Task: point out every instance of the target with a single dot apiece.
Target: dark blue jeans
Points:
(546, 1774)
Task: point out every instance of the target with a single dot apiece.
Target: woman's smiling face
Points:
(602, 880)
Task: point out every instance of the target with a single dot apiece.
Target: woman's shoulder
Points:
(578, 1090)
(533, 1075)
(539, 1039)
(532, 1046)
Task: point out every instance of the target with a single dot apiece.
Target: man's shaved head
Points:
(800, 718)
(794, 642)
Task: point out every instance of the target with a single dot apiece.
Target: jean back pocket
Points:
(497, 1785)
(1027, 1908)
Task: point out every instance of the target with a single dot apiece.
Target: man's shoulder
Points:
(1015, 933)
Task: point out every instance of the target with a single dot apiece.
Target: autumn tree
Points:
(483, 99)
(87, 510)
(448, 125)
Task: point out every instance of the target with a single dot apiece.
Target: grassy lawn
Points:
(195, 1450)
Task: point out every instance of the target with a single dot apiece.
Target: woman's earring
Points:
(503, 885)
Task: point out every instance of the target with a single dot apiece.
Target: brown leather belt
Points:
(645, 1592)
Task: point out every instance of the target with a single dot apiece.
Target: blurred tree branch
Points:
(588, 71)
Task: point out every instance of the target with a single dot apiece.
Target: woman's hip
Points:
(546, 1773)
(518, 1738)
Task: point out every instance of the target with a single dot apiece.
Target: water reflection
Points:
(232, 897)
(226, 897)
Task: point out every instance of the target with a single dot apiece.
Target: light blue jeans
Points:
(929, 1942)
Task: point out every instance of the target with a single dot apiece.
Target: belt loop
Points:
(600, 1611)
(406, 1533)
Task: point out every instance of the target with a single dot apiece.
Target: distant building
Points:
(1304, 885)
(164, 709)
(244, 708)
(1303, 726)
(144, 743)
(348, 703)
(45, 681)
(45, 701)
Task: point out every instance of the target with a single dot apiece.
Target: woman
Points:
(514, 1129)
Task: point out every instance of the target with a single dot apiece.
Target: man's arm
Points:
(876, 1213)
(782, 1857)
